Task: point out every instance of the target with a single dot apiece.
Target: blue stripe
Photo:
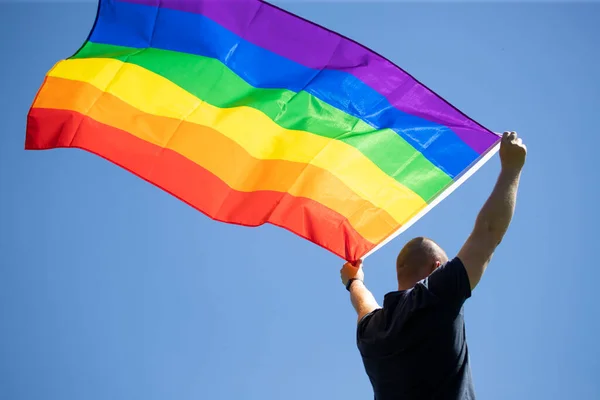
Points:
(139, 26)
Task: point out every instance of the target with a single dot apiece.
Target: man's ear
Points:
(436, 265)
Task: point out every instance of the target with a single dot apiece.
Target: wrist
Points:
(351, 282)
(513, 171)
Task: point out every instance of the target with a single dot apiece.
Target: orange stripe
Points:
(50, 128)
(220, 155)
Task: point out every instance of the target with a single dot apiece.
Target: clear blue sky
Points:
(112, 289)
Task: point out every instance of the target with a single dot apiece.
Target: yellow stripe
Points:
(248, 127)
(216, 153)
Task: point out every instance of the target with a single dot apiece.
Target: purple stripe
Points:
(316, 47)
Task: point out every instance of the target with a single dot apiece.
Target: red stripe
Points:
(186, 180)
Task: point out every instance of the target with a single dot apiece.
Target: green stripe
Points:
(290, 110)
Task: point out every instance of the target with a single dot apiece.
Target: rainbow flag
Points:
(253, 115)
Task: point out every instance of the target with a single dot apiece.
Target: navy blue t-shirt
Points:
(415, 346)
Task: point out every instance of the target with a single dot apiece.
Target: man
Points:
(414, 347)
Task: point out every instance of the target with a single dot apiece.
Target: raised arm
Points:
(362, 299)
(495, 216)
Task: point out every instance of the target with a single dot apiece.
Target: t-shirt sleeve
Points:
(450, 282)
(366, 322)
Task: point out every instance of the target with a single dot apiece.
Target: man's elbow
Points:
(366, 311)
(489, 232)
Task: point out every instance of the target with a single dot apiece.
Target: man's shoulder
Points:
(449, 282)
(397, 307)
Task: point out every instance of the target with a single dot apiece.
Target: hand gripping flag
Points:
(253, 115)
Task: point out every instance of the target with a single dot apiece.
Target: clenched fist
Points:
(350, 271)
(512, 151)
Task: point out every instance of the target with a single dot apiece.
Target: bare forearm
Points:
(496, 214)
(362, 299)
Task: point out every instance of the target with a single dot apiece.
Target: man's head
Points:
(417, 259)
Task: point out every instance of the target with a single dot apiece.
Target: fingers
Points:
(509, 136)
(355, 264)
(351, 267)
